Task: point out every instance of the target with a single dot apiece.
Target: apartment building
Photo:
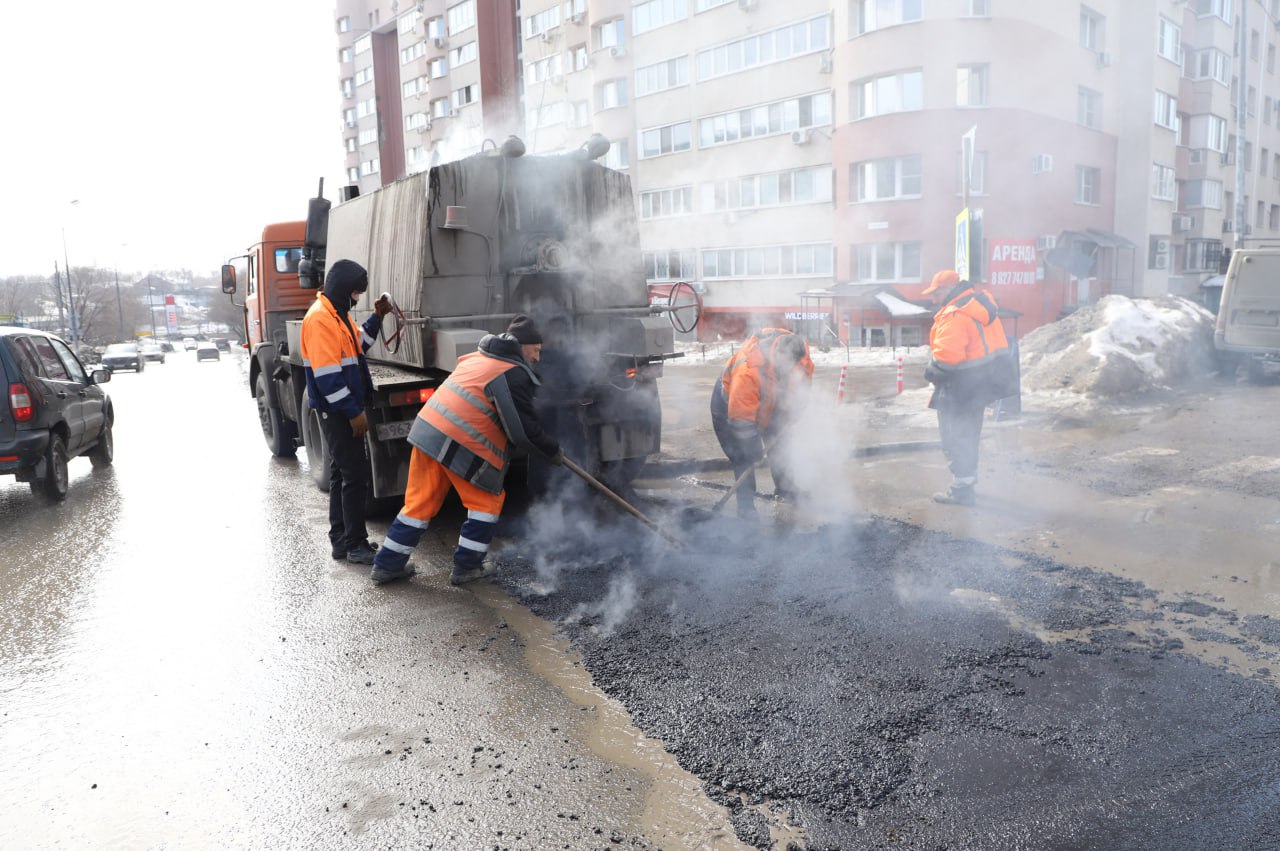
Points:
(795, 160)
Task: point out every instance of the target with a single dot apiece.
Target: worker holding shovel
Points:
(750, 404)
(461, 440)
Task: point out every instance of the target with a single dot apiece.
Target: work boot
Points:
(362, 554)
(339, 552)
(382, 576)
(461, 574)
(956, 495)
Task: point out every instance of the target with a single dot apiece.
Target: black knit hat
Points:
(345, 278)
(525, 332)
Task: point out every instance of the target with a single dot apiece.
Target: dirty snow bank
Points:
(1120, 347)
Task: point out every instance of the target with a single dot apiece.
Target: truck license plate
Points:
(393, 431)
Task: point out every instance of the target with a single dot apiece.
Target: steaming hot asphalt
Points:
(889, 686)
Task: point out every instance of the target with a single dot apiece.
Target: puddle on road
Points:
(677, 812)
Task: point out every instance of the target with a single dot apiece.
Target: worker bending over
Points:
(462, 439)
(752, 403)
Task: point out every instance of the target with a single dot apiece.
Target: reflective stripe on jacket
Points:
(749, 384)
(966, 332)
(337, 375)
(460, 425)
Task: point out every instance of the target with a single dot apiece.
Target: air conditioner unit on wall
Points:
(801, 137)
(440, 41)
(825, 63)
(576, 19)
(1162, 246)
(1042, 163)
(1046, 242)
(747, 5)
(1182, 224)
(618, 52)
(1104, 59)
(1160, 261)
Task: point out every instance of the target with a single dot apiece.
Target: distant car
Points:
(207, 351)
(165, 346)
(151, 351)
(120, 356)
(223, 344)
(188, 343)
(55, 410)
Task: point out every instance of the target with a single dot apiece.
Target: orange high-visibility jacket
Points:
(335, 369)
(966, 332)
(462, 424)
(749, 382)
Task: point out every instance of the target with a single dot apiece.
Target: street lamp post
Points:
(151, 307)
(71, 295)
(119, 305)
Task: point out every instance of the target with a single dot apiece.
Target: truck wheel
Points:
(276, 430)
(317, 449)
(105, 452)
(55, 480)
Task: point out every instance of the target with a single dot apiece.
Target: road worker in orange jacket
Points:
(338, 383)
(969, 367)
(462, 439)
(752, 402)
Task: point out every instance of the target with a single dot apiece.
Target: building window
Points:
(977, 174)
(1162, 182)
(887, 261)
(412, 88)
(348, 87)
(461, 17)
(869, 15)
(350, 142)
(353, 175)
(542, 22)
(372, 166)
(776, 45)
(887, 179)
(1271, 58)
(346, 54)
(465, 95)
(414, 51)
(1088, 185)
(344, 24)
(440, 108)
(661, 76)
(463, 54)
(671, 139)
(551, 114)
(369, 106)
(363, 44)
(435, 27)
(1211, 64)
(1263, 162)
(774, 261)
(971, 85)
(368, 137)
(903, 92)
(439, 68)
(780, 117)
(656, 13)
(704, 5)
(978, 9)
(609, 34)
(1273, 221)
(670, 265)
(1221, 8)
(1202, 194)
(542, 70)
(1217, 130)
(349, 117)
(611, 94)
(1089, 109)
(1169, 40)
(580, 58)
(1091, 29)
(1201, 255)
(364, 75)
(774, 189)
(416, 121)
(617, 157)
(1166, 110)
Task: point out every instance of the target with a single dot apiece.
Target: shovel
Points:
(619, 501)
(702, 515)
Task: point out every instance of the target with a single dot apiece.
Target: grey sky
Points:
(179, 128)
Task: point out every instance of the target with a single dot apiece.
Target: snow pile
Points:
(1120, 347)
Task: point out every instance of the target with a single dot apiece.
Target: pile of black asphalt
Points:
(885, 685)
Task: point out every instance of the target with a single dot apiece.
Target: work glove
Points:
(933, 374)
(558, 458)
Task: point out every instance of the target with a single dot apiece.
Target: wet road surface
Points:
(184, 666)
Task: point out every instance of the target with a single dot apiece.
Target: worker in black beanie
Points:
(462, 441)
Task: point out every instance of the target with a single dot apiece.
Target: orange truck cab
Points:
(267, 276)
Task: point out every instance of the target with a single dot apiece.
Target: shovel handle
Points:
(617, 500)
(737, 486)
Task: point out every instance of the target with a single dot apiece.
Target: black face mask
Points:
(355, 298)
